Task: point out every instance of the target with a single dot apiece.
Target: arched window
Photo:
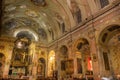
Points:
(104, 3)
(75, 10)
(60, 22)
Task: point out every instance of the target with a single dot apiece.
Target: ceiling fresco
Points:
(45, 19)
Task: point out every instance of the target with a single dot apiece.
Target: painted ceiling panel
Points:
(48, 19)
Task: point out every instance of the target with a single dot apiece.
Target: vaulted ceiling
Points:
(40, 20)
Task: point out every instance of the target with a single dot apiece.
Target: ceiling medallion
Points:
(39, 2)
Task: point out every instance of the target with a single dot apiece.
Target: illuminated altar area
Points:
(20, 62)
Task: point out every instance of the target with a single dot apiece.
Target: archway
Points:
(51, 63)
(2, 62)
(109, 41)
(82, 58)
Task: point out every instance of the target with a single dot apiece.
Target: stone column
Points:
(95, 61)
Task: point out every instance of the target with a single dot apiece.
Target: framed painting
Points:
(69, 66)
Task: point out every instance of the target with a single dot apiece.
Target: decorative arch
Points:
(29, 32)
(109, 41)
(82, 56)
(79, 43)
(108, 33)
